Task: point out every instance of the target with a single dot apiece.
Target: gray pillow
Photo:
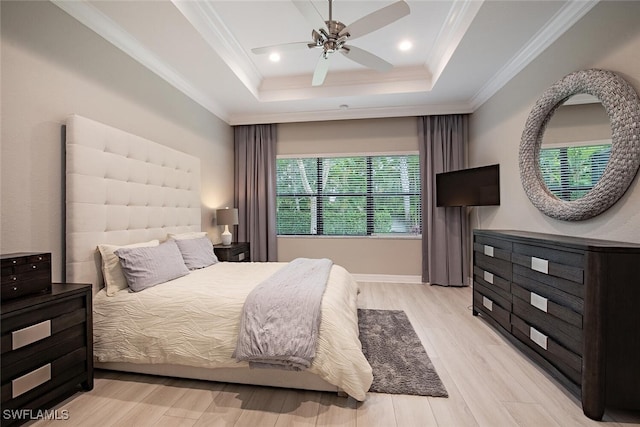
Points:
(197, 253)
(145, 267)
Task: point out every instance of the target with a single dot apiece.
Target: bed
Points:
(122, 189)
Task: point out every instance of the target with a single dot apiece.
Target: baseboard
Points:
(390, 278)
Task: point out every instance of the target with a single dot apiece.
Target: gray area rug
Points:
(394, 351)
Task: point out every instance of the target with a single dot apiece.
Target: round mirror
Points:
(611, 169)
(576, 147)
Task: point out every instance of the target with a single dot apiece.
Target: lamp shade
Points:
(227, 216)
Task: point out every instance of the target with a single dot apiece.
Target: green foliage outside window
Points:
(570, 172)
(348, 196)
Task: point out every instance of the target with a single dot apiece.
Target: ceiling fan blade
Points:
(321, 70)
(376, 20)
(365, 58)
(281, 47)
(310, 13)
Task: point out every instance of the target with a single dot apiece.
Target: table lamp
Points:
(227, 217)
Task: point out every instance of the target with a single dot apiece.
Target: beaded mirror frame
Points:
(622, 105)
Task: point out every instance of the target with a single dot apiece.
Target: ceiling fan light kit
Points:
(331, 36)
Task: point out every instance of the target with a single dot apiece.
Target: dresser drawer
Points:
(567, 362)
(24, 359)
(491, 280)
(20, 389)
(562, 332)
(497, 267)
(489, 307)
(58, 312)
(564, 291)
(566, 265)
(547, 304)
(489, 244)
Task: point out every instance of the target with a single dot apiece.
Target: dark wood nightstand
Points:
(47, 349)
(235, 252)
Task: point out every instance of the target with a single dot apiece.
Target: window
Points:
(349, 196)
(571, 172)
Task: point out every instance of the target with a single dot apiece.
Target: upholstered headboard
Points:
(122, 189)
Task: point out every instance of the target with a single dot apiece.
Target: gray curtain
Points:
(255, 188)
(445, 231)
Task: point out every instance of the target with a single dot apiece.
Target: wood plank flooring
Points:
(490, 383)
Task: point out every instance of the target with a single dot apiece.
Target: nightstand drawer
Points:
(43, 378)
(235, 252)
(60, 313)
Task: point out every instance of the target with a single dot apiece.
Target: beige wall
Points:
(52, 66)
(366, 255)
(607, 37)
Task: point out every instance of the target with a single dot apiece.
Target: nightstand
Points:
(235, 252)
(47, 349)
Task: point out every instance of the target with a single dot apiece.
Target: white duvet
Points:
(194, 321)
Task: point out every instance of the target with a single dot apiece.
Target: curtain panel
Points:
(445, 232)
(255, 189)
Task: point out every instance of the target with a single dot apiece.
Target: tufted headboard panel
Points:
(122, 189)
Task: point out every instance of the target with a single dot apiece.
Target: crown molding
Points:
(348, 114)
(105, 27)
(570, 13)
(458, 20)
(347, 83)
(203, 17)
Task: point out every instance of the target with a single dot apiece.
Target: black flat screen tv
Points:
(469, 187)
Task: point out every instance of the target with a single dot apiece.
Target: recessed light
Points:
(274, 57)
(405, 45)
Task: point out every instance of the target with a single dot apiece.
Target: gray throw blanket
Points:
(281, 317)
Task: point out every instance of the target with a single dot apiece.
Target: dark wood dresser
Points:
(47, 349)
(571, 304)
(235, 252)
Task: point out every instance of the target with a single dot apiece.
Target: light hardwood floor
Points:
(489, 383)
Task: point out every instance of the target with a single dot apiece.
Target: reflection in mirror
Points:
(575, 148)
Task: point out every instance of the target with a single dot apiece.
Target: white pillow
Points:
(114, 279)
(188, 235)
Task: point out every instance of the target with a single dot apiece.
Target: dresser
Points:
(570, 304)
(235, 252)
(47, 349)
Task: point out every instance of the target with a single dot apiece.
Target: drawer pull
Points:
(488, 277)
(241, 256)
(538, 302)
(539, 264)
(488, 250)
(30, 381)
(538, 337)
(30, 334)
(487, 303)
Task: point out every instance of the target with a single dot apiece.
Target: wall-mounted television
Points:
(469, 187)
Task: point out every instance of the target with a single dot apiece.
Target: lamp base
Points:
(226, 236)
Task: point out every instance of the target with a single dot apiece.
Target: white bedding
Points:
(194, 321)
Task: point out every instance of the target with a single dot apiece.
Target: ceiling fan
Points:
(331, 36)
